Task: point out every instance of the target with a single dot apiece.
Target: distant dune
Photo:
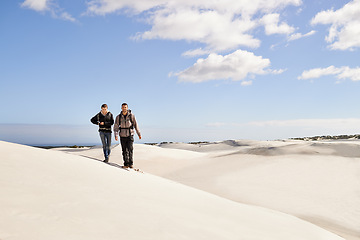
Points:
(70, 194)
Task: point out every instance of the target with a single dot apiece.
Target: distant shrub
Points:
(195, 143)
(151, 144)
(328, 137)
(75, 146)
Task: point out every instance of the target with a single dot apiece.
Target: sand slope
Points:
(318, 182)
(315, 181)
(54, 195)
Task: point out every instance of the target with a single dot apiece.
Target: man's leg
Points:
(103, 141)
(131, 149)
(108, 144)
(125, 153)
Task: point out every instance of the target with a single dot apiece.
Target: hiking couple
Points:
(124, 126)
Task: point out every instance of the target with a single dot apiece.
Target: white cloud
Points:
(236, 66)
(37, 5)
(243, 7)
(246, 83)
(272, 26)
(319, 72)
(48, 6)
(103, 7)
(350, 73)
(345, 26)
(66, 16)
(297, 36)
(218, 31)
(196, 52)
(340, 73)
(220, 24)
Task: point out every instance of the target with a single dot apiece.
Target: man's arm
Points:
(116, 127)
(94, 120)
(136, 126)
(112, 120)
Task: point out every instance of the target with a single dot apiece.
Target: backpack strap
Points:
(131, 120)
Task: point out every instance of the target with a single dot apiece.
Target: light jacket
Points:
(125, 125)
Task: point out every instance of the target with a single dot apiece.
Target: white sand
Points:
(49, 194)
(316, 181)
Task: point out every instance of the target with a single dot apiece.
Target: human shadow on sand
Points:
(108, 163)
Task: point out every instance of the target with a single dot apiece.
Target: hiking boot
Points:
(106, 160)
(131, 166)
(125, 166)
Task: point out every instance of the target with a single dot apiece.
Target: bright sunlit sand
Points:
(228, 190)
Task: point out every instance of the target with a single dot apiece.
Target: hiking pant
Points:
(106, 143)
(127, 150)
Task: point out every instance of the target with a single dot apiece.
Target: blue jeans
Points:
(106, 142)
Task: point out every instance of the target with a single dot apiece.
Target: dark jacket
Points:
(108, 120)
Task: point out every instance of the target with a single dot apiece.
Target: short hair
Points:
(104, 106)
(124, 104)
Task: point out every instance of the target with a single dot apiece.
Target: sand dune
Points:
(315, 181)
(54, 195)
(318, 182)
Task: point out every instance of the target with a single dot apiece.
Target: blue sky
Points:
(189, 70)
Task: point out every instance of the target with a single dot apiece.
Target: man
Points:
(105, 120)
(124, 126)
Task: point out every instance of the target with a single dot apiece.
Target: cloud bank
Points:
(221, 26)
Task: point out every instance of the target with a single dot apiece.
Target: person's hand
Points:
(102, 123)
(116, 138)
(139, 137)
